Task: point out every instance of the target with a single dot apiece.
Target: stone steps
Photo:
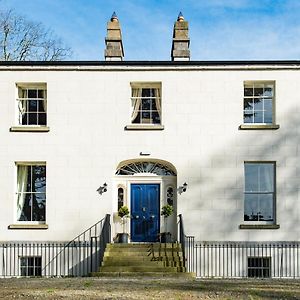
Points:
(143, 274)
(143, 260)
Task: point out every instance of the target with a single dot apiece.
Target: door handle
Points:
(152, 216)
(137, 217)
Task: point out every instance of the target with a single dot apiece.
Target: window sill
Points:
(28, 226)
(144, 127)
(29, 128)
(258, 127)
(259, 226)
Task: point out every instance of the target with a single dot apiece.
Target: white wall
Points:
(202, 110)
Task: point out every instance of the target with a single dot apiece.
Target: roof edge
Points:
(151, 63)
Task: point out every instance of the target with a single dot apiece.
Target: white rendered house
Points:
(229, 130)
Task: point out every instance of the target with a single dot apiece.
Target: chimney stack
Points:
(113, 41)
(181, 41)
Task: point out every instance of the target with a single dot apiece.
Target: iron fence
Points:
(78, 257)
(243, 259)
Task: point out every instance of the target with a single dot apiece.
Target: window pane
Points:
(251, 177)
(146, 104)
(42, 119)
(146, 93)
(251, 207)
(266, 207)
(41, 94)
(266, 178)
(258, 104)
(248, 116)
(258, 117)
(268, 104)
(32, 119)
(32, 93)
(39, 179)
(258, 90)
(26, 210)
(155, 117)
(32, 105)
(38, 207)
(146, 117)
(268, 92)
(248, 90)
(248, 104)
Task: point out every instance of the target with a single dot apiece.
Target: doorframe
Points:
(145, 178)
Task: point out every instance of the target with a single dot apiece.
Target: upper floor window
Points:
(259, 102)
(259, 201)
(146, 103)
(32, 104)
(31, 192)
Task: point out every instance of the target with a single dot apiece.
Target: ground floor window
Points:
(259, 193)
(31, 265)
(259, 267)
(31, 192)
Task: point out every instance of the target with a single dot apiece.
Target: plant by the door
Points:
(123, 213)
(166, 211)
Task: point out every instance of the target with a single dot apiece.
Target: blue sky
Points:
(219, 29)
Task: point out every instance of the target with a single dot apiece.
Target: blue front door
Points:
(145, 212)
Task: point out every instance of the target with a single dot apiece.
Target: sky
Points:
(218, 29)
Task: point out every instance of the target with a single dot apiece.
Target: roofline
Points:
(152, 63)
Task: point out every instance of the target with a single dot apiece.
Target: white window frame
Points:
(260, 84)
(18, 126)
(27, 163)
(145, 85)
(34, 267)
(273, 193)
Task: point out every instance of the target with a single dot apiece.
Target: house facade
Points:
(218, 141)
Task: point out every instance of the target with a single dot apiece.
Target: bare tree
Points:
(24, 40)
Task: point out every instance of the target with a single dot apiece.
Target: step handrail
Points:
(97, 234)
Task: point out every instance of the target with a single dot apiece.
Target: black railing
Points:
(244, 259)
(187, 244)
(79, 257)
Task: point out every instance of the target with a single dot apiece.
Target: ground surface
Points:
(146, 288)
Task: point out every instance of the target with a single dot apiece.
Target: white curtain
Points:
(44, 101)
(136, 102)
(266, 178)
(157, 102)
(22, 93)
(21, 189)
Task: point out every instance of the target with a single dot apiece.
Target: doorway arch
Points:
(147, 184)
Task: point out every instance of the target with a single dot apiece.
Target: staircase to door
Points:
(151, 259)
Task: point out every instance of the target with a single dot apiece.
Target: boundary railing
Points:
(78, 257)
(239, 259)
(245, 259)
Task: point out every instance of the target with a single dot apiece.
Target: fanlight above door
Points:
(138, 167)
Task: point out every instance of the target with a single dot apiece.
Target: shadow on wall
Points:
(213, 207)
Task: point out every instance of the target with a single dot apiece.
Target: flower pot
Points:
(165, 237)
(123, 238)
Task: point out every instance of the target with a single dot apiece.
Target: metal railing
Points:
(244, 259)
(79, 257)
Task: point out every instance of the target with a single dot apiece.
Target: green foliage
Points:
(123, 211)
(167, 210)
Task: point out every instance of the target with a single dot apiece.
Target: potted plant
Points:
(166, 211)
(123, 213)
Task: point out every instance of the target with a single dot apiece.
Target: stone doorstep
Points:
(143, 269)
(144, 250)
(143, 274)
(144, 263)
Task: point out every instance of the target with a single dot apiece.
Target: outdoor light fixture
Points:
(102, 189)
(182, 188)
(144, 153)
